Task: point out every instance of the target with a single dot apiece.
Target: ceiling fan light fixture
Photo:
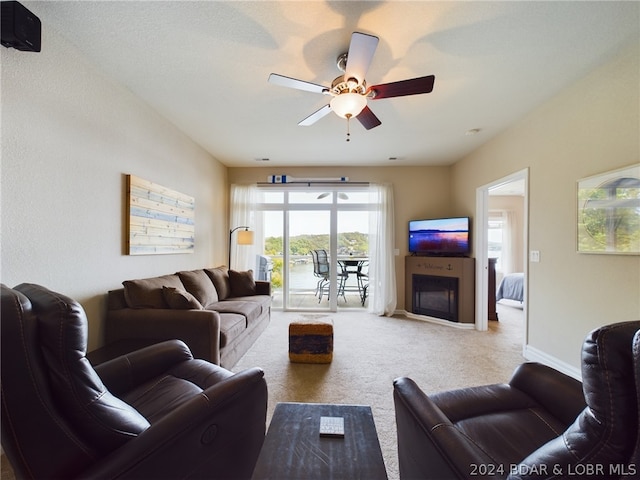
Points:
(350, 91)
(348, 105)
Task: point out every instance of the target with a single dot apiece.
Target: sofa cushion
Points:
(263, 300)
(261, 303)
(232, 325)
(249, 310)
(179, 299)
(242, 283)
(220, 278)
(199, 284)
(147, 292)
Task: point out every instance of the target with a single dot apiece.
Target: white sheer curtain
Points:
(243, 204)
(382, 269)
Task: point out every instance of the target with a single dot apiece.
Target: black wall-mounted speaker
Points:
(21, 29)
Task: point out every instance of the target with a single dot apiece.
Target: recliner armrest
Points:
(127, 371)
(228, 420)
(558, 393)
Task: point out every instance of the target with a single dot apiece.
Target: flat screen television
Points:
(448, 237)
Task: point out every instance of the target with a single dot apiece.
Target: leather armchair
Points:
(154, 413)
(542, 424)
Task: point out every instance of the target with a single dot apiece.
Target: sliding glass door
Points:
(353, 248)
(308, 284)
(355, 212)
(297, 222)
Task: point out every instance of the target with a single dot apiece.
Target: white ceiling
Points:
(204, 66)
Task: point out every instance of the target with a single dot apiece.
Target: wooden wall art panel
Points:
(161, 220)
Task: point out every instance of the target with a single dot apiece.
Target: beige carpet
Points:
(370, 351)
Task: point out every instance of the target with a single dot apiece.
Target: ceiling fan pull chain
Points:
(348, 133)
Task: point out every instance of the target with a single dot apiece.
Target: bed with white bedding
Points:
(511, 287)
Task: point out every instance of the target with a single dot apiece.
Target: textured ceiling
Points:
(204, 66)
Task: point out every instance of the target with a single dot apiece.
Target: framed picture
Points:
(609, 212)
(160, 219)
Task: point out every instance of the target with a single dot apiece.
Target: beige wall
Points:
(419, 192)
(68, 137)
(591, 127)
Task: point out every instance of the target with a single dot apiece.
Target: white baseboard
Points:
(439, 321)
(535, 355)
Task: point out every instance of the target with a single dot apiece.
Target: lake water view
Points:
(301, 276)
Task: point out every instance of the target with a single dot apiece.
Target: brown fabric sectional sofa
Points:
(218, 313)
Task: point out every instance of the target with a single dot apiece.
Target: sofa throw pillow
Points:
(242, 283)
(220, 278)
(178, 299)
(198, 284)
(147, 292)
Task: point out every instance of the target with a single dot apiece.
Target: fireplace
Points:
(444, 290)
(435, 296)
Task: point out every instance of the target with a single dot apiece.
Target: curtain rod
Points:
(309, 183)
(288, 179)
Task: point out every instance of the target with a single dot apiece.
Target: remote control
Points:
(332, 427)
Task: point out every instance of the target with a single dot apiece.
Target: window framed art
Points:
(609, 212)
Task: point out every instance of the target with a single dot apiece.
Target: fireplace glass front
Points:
(435, 296)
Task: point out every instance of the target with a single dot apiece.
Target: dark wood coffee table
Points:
(293, 448)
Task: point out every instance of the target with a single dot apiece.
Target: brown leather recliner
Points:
(154, 413)
(542, 424)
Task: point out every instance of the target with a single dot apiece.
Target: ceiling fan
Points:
(350, 91)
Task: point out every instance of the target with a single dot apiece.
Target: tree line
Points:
(355, 243)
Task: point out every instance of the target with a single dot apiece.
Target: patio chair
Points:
(320, 271)
(324, 270)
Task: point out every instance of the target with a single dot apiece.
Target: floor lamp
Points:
(245, 237)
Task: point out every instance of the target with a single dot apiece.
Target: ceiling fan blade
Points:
(413, 86)
(368, 119)
(360, 54)
(314, 117)
(297, 84)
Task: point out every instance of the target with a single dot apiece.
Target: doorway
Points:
(501, 231)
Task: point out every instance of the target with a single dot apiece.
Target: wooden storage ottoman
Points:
(311, 341)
